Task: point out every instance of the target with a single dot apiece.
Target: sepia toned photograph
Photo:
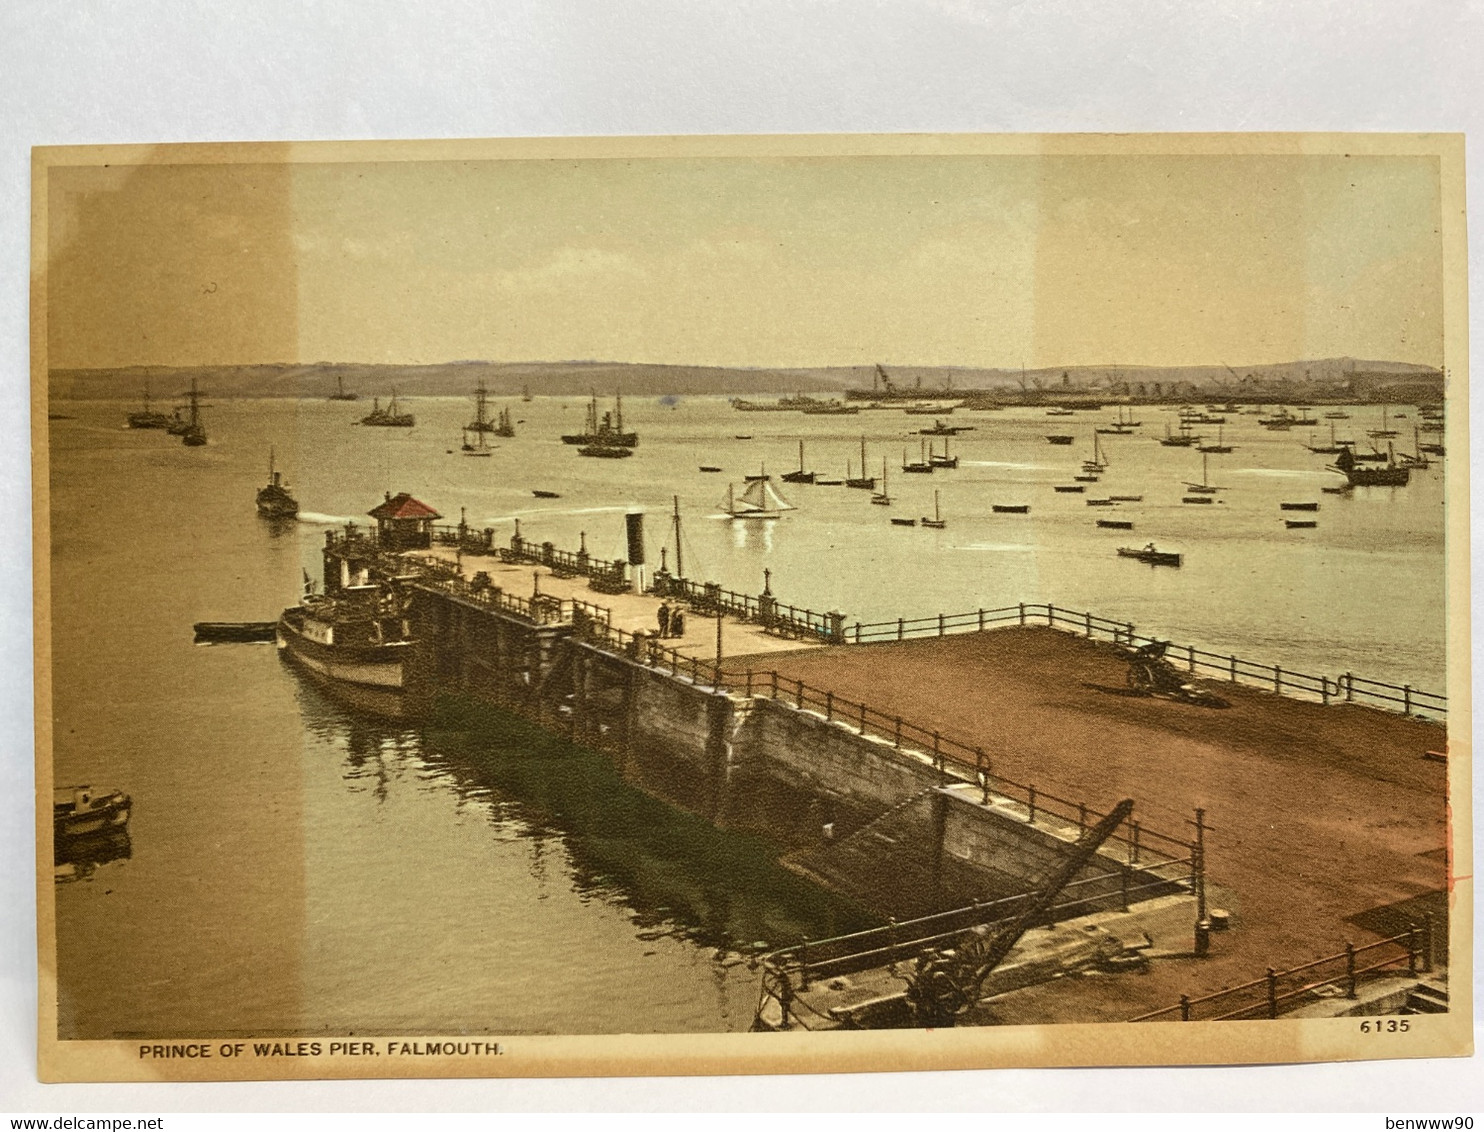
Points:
(714, 605)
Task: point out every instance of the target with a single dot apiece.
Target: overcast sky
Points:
(1000, 260)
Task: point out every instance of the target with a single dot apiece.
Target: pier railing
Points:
(1333, 976)
(540, 609)
(1147, 848)
(764, 609)
(605, 575)
(465, 537)
(1345, 688)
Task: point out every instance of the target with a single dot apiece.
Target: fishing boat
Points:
(1300, 524)
(941, 429)
(1183, 439)
(479, 446)
(340, 393)
(800, 476)
(943, 461)
(1204, 487)
(1116, 524)
(504, 426)
(1098, 461)
(761, 500)
(1282, 421)
(1220, 448)
(1333, 448)
(607, 431)
(86, 811)
(147, 417)
(1150, 555)
(937, 522)
(1010, 508)
(539, 494)
(1060, 438)
(1298, 507)
(1391, 474)
(922, 467)
(882, 498)
(1122, 426)
(194, 433)
(862, 481)
(274, 500)
(1417, 459)
(1385, 432)
(390, 417)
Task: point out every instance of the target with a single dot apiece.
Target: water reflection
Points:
(589, 829)
(77, 858)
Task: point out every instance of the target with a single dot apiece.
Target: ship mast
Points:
(679, 562)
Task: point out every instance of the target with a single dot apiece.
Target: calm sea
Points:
(297, 869)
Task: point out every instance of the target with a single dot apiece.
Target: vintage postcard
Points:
(773, 604)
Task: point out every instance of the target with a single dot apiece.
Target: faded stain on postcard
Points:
(713, 605)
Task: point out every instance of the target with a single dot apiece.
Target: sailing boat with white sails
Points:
(760, 500)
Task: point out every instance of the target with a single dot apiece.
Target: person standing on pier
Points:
(664, 618)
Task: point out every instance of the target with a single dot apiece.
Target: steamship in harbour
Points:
(353, 640)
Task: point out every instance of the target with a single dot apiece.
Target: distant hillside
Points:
(445, 379)
(1326, 376)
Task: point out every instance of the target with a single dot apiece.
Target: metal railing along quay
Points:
(1332, 976)
(1346, 688)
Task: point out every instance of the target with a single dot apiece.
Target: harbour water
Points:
(295, 869)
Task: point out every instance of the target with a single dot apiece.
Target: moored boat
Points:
(1150, 555)
(390, 417)
(800, 476)
(193, 435)
(354, 645)
(937, 522)
(605, 431)
(147, 417)
(86, 811)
